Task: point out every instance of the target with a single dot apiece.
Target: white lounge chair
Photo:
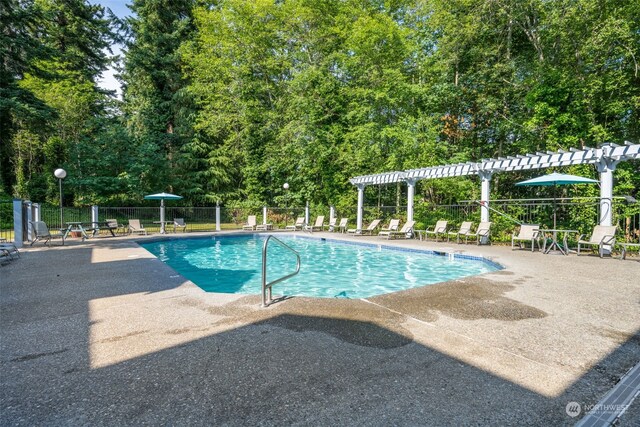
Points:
(179, 223)
(603, 235)
(483, 230)
(298, 224)
(251, 223)
(406, 232)
(136, 227)
(528, 233)
(342, 227)
(41, 232)
(264, 227)
(318, 226)
(366, 231)
(394, 224)
(439, 229)
(465, 228)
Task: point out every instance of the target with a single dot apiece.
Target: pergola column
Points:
(606, 166)
(485, 189)
(360, 206)
(411, 189)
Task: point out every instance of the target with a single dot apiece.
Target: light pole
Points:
(286, 203)
(60, 174)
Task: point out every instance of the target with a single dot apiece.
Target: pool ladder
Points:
(266, 287)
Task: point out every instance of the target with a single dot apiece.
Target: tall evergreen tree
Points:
(20, 52)
(154, 104)
(77, 34)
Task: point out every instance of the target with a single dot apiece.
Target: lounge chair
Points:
(366, 231)
(483, 230)
(5, 257)
(439, 229)
(603, 235)
(332, 224)
(251, 223)
(394, 224)
(405, 232)
(10, 249)
(318, 226)
(136, 227)
(528, 233)
(41, 232)
(342, 227)
(179, 223)
(298, 224)
(465, 228)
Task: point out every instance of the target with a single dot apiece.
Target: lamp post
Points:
(286, 203)
(60, 174)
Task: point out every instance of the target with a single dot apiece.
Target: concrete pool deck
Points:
(103, 333)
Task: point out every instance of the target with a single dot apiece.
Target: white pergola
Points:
(604, 158)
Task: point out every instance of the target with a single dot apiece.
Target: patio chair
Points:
(406, 232)
(116, 226)
(298, 224)
(318, 226)
(251, 223)
(528, 233)
(366, 231)
(603, 235)
(483, 230)
(332, 224)
(465, 228)
(439, 229)
(179, 223)
(136, 227)
(41, 232)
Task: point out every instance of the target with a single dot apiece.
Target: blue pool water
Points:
(232, 264)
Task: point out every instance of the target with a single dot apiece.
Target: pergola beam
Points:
(604, 158)
(508, 164)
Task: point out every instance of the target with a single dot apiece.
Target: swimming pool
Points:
(329, 268)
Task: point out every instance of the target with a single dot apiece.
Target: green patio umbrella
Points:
(555, 179)
(162, 197)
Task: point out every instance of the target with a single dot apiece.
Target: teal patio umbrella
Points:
(162, 197)
(554, 179)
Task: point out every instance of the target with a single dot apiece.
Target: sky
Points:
(120, 9)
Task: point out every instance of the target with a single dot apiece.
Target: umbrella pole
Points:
(162, 231)
(555, 208)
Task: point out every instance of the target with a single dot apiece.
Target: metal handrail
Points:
(266, 287)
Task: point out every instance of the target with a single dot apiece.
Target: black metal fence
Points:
(6, 220)
(580, 214)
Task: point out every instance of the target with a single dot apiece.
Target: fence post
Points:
(17, 222)
(411, 189)
(94, 216)
(306, 213)
(360, 208)
(36, 211)
(217, 216)
(264, 215)
(28, 205)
